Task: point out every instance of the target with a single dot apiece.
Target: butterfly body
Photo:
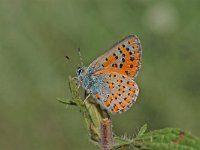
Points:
(109, 78)
(87, 80)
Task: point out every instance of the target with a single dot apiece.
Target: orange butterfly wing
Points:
(124, 58)
(117, 68)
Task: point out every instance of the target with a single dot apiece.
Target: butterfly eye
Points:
(79, 70)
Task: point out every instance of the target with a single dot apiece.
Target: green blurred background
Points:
(35, 36)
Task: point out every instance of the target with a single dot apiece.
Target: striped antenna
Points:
(81, 59)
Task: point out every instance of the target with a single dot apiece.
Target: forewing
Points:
(118, 92)
(124, 58)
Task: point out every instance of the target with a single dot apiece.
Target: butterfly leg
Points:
(86, 98)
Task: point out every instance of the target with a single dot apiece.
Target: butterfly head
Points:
(80, 72)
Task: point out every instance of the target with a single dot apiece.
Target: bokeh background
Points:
(35, 36)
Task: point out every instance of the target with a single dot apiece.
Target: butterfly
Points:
(110, 77)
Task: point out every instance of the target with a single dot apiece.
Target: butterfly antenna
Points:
(81, 59)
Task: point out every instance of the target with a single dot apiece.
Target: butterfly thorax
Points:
(87, 80)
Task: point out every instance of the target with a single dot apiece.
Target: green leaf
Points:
(167, 139)
(142, 130)
(66, 101)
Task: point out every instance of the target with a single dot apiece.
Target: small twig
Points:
(106, 142)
